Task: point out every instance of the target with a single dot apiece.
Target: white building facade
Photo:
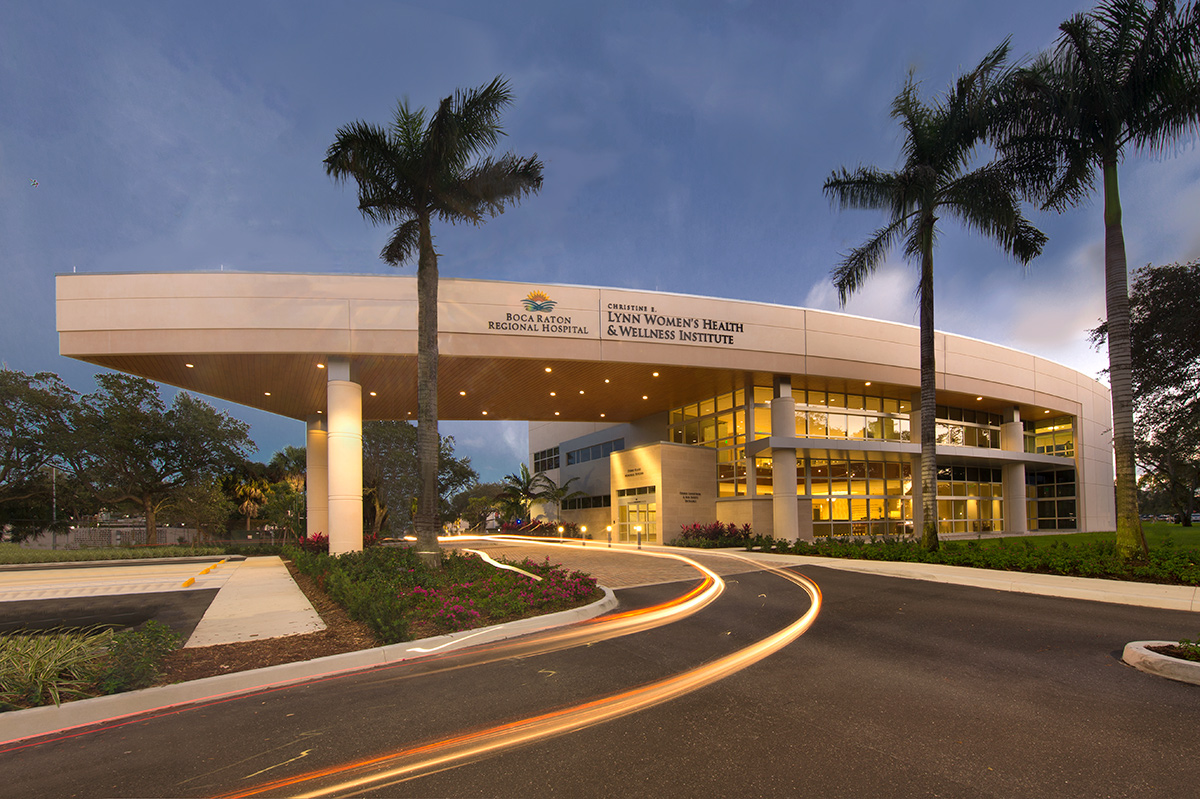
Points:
(666, 409)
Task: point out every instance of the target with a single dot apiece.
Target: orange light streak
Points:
(407, 764)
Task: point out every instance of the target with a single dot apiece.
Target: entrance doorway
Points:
(637, 507)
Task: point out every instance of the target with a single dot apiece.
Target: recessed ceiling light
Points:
(606, 380)
(485, 413)
(979, 399)
(601, 416)
(373, 394)
(462, 393)
(320, 411)
(581, 391)
(548, 369)
(1047, 411)
(556, 413)
(656, 374)
(554, 393)
(320, 366)
(268, 393)
(645, 397)
(190, 366)
(867, 383)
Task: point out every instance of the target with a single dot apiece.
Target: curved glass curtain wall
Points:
(866, 493)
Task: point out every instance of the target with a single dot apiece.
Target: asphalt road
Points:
(900, 689)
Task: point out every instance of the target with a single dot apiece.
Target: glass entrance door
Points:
(637, 507)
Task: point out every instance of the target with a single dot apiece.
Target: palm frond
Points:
(861, 262)
(403, 243)
(864, 188)
(489, 187)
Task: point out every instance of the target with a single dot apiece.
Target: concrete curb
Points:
(104, 564)
(1138, 655)
(1121, 592)
(20, 724)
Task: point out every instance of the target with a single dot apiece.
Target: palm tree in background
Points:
(939, 144)
(1125, 74)
(523, 488)
(408, 174)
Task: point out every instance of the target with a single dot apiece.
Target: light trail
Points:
(391, 769)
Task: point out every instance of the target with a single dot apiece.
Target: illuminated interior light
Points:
(320, 366)
(190, 366)
(601, 416)
(556, 413)
(485, 413)
(548, 369)
(867, 383)
(373, 394)
(268, 393)
(1047, 411)
(645, 397)
(979, 399)
(462, 393)
(554, 393)
(606, 380)
(581, 391)
(655, 374)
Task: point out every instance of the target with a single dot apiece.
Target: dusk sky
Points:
(685, 147)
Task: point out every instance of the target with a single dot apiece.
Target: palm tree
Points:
(522, 489)
(940, 140)
(1128, 73)
(408, 174)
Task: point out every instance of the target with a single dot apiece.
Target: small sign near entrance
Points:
(689, 497)
(633, 471)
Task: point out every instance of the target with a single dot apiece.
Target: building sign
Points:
(536, 318)
(615, 317)
(647, 322)
(689, 497)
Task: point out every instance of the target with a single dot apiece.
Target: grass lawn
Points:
(1157, 534)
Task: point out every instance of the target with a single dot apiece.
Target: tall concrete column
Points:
(344, 409)
(1012, 438)
(316, 492)
(784, 504)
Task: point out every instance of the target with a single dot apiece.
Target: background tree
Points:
(474, 503)
(202, 505)
(1124, 75)
(390, 474)
(35, 412)
(557, 494)
(521, 489)
(940, 140)
(289, 464)
(417, 170)
(132, 448)
(1164, 327)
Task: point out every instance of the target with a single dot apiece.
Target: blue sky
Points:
(685, 146)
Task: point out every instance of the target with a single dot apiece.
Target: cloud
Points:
(889, 294)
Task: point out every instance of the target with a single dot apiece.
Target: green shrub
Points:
(135, 657)
(37, 668)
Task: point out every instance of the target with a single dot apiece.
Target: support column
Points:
(316, 491)
(344, 409)
(784, 504)
(1012, 439)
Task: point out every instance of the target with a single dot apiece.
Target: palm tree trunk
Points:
(1131, 543)
(929, 527)
(426, 522)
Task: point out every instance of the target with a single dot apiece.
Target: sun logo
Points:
(538, 301)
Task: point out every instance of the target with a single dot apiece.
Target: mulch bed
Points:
(341, 634)
(1171, 650)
